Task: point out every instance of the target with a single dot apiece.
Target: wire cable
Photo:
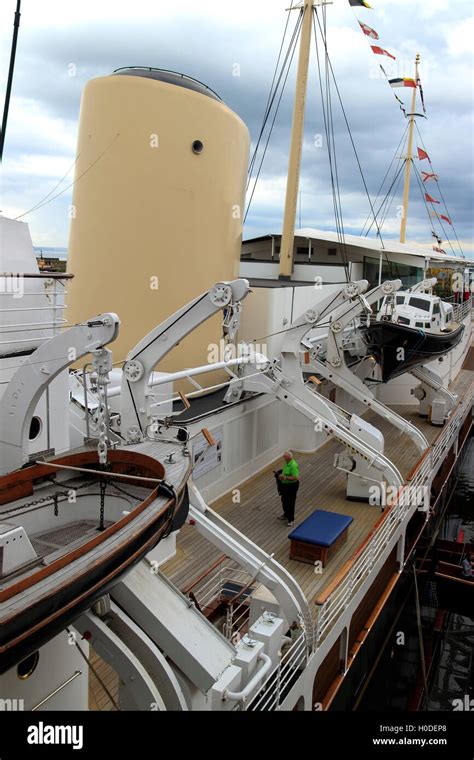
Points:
(329, 142)
(270, 97)
(387, 196)
(379, 233)
(293, 43)
(41, 202)
(65, 189)
(386, 175)
(441, 195)
(430, 217)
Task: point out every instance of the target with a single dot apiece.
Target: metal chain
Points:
(103, 486)
(51, 498)
(102, 379)
(102, 364)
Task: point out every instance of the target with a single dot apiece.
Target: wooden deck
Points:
(98, 697)
(321, 487)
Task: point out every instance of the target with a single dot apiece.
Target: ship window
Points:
(332, 251)
(400, 299)
(391, 270)
(198, 146)
(403, 321)
(419, 324)
(420, 303)
(35, 428)
(27, 667)
(436, 309)
(427, 324)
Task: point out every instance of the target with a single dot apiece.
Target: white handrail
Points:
(239, 696)
(290, 661)
(340, 597)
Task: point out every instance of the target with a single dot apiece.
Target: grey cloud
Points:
(207, 50)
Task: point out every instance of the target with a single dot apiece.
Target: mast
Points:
(288, 234)
(409, 157)
(16, 26)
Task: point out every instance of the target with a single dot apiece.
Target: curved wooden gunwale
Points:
(125, 458)
(62, 603)
(35, 633)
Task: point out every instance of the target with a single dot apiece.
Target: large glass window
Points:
(391, 270)
(420, 303)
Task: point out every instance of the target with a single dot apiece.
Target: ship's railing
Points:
(462, 310)
(236, 619)
(337, 597)
(14, 291)
(282, 678)
(224, 582)
(442, 441)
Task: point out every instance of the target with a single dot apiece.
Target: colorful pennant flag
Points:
(422, 154)
(420, 89)
(441, 216)
(380, 51)
(430, 199)
(369, 31)
(426, 176)
(399, 100)
(400, 103)
(360, 2)
(438, 250)
(402, 82)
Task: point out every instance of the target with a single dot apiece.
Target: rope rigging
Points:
(55, 187)
(430, 218)
(379, 191)
(271, 96)
(47, 199)
(416, 84)
(441, 195)
(391, 195)
(284, 72)
(327, 80)
(326, 104)
(343, 110)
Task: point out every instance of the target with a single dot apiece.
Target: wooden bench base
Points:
(311, 553)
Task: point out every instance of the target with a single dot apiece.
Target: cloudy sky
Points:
(206, 38)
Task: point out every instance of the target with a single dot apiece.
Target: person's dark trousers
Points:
(277, 474)
(288, 499)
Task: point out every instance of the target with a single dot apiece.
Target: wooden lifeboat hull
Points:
(71, 583)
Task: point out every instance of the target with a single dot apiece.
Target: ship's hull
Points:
(398, 349)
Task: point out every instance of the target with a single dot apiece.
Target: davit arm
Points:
(37, 371)
(162, 339)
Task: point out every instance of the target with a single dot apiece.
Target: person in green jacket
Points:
(288, 482)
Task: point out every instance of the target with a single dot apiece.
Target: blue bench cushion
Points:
(322, 528)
